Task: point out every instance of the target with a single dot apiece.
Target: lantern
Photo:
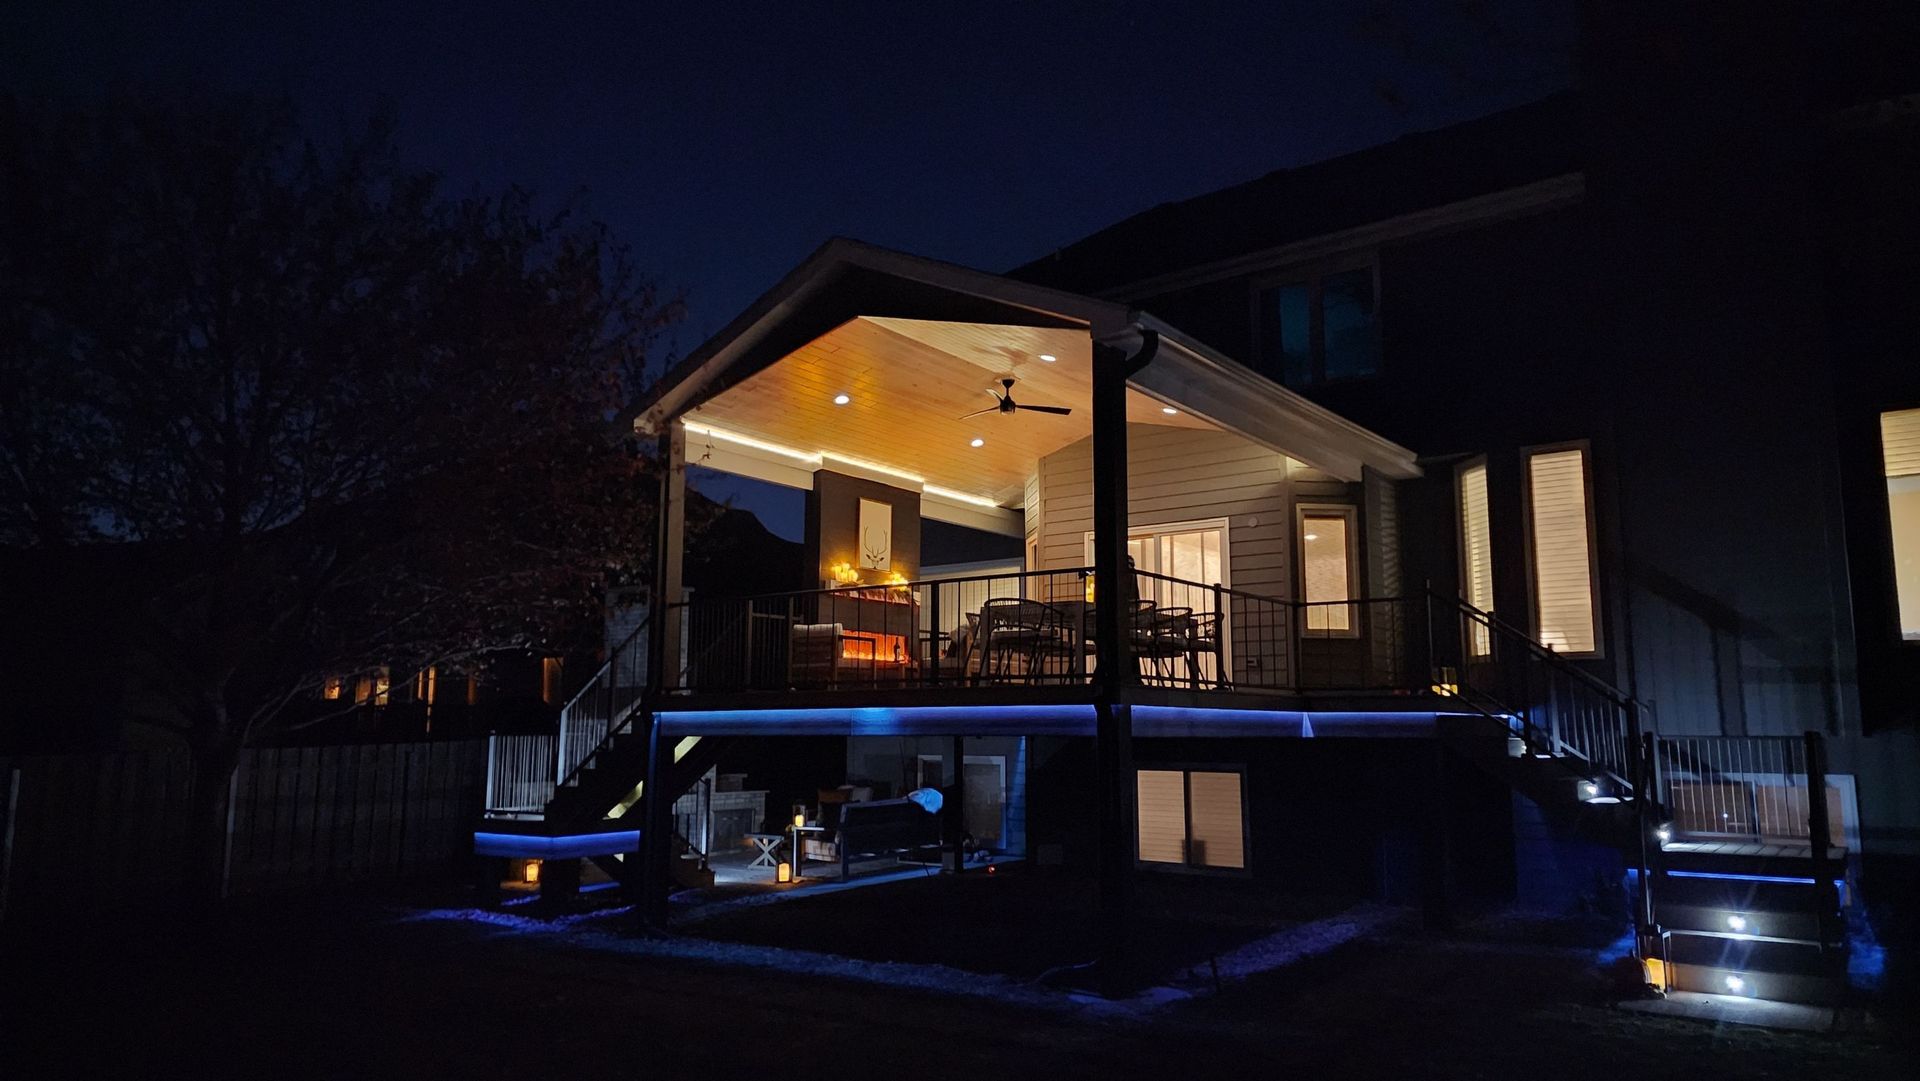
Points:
(784, 873)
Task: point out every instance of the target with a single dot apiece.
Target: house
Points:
(1492, 513)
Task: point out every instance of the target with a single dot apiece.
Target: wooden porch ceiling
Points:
(909, 381)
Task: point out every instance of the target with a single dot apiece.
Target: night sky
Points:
(725, 141)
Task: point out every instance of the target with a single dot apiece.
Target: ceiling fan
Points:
(1006, 404)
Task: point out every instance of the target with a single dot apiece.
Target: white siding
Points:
(1177, 475)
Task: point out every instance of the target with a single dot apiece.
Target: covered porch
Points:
(1246, 535)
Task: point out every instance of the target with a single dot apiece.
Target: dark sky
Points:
(724, 141)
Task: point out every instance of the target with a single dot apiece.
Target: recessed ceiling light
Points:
(841, 399)
(1048, 357)
(1313, 536)
(978, 443)
(1169, 411)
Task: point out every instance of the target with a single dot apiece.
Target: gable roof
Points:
(1531, 143)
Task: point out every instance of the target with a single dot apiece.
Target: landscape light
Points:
(1663, 832)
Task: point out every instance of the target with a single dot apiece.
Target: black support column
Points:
(663, 661)
(1113, 714)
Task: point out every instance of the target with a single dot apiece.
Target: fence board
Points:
(107, 830)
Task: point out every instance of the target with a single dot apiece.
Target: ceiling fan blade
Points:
(1058, 410)
(977, 412)
(996, 395)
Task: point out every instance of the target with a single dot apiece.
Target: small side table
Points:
(769, 846)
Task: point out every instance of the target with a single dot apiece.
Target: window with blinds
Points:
(1326, 570)
(1476, 552)
(1191, 818)
(1561, 527)
(1161, 798)
(1900, 447)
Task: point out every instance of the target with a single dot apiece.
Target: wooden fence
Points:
(105, 831)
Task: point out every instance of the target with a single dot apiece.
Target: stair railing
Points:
(615, 695)
(1560, 708)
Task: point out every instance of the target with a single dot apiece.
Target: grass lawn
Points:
(1017, 922)
(369, 993)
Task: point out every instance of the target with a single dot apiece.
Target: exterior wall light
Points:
(1736, 923)
(1736, 985)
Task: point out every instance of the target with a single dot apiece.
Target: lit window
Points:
(330, 689)
(1561, 537)
(549, 679)
(1191, 818)
(1476, 552)
(371, 689)
(1900, 447)
(1321, 329)
(1326, 569)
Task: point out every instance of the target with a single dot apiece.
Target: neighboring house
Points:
(1489, 513)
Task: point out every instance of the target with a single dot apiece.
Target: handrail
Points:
(615, 727)
(1491, 621)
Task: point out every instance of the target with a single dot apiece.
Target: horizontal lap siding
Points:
(1178, 475)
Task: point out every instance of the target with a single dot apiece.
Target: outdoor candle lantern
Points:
(532, 873)
(799, 819)
(784, 872)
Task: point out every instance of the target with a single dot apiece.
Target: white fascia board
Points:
(1208, 385)
(745, 460)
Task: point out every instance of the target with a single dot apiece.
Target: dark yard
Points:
(418, 992)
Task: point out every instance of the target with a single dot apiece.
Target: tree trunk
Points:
(209, 805)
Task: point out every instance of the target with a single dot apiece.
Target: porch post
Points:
(669, 546)
(1113, 714)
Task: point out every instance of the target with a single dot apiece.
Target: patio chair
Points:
(1203, 640)
(1158, 637)
(813, 654)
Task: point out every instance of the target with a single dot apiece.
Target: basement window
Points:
(1900, 448)
(1191, 818)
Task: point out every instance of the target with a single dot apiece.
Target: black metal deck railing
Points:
(1036, 628)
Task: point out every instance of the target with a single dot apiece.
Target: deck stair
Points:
(1745, 900)
(1733, 897)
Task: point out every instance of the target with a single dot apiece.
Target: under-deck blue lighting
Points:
(569, 846)
(1067, 719)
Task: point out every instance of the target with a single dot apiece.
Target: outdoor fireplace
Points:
(873, 647)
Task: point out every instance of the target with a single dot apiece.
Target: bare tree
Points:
(342, 418)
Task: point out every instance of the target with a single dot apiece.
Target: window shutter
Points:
(1476, 551)
(1218, 840)
(1562, 559)
(1162, 799)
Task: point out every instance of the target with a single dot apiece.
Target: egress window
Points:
(1321, 329)
(1900, 449)
(1191, 818)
